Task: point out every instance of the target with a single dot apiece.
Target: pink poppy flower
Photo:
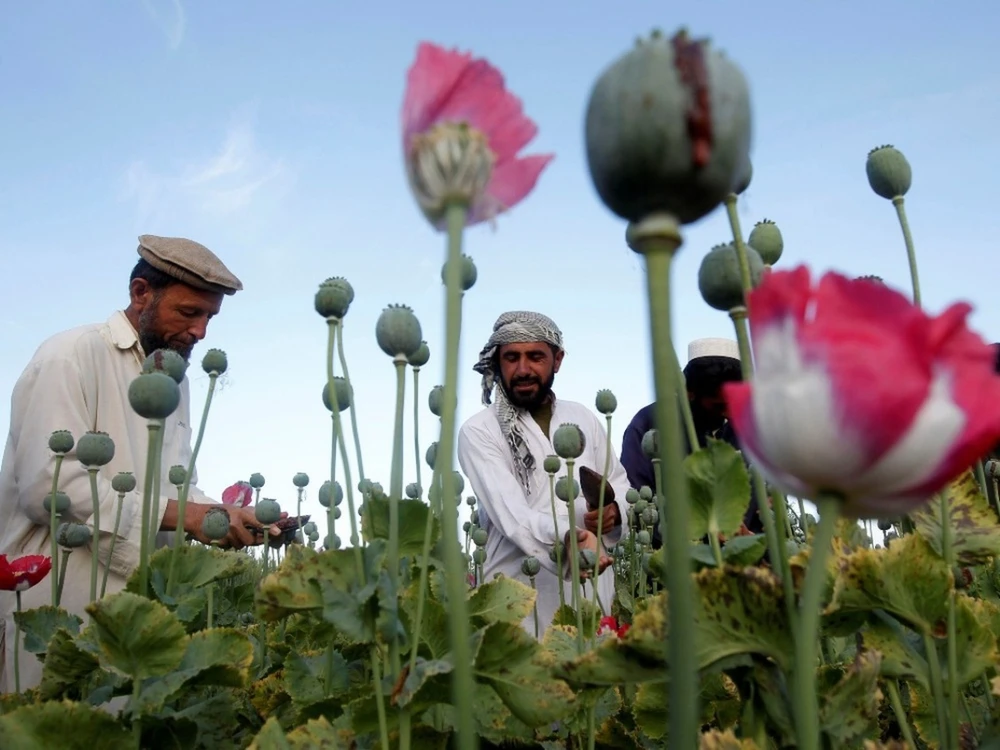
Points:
(24, 572)
(445, 91)
(239, 495)
(859, 392)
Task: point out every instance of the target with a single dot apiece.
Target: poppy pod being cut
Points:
(860, 394)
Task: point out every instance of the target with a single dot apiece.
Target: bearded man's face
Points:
(176, 317)
(527, 372)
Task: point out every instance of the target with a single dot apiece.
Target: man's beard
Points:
(705, 421)
(524, 401)
(150, 339)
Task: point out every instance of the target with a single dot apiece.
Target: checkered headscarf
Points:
(518, 327)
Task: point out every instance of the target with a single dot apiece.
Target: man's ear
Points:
(558, 361)
(140, 293)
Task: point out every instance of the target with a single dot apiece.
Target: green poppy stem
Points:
(383, 724)
(741, 248)
(17, 646)
(354, 412)
(574, 556)
(911, 254)
(954, 689)
(806, 700)
(63, 564)
(395, 497)
(692, 432)
(416, 424)
(658, 238)
(600, 503)
(897, 708)
(111, 546)
(152, 451)
(180, 538)
(54, 526)
(463, 686)
(95, 543)
(559, 546)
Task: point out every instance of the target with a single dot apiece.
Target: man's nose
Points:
(198, 329)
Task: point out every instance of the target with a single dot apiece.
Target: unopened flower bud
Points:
(334, 297)
(606, 402)
(154, 395)
(123, 481)
(397, 331)
(97, 448)
(420, 357)
(61, 441)
(168, 362)
(568, 441)
(889, 172)
(766, 239)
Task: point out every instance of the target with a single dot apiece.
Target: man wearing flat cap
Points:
(711, 363)
(78, 380)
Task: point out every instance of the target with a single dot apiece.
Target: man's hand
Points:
(584, 540)
(612, 518)
(239, 535)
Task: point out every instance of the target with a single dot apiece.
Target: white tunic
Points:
(78, 381)
(519, 525)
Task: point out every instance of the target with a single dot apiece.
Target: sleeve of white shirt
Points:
(52, 396)
(485, 462)
(617, 478)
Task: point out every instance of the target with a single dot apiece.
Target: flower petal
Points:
(510, 184)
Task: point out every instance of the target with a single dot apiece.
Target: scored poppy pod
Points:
(861, 394)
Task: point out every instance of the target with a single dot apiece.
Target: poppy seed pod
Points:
(61, 441)
(168, 362)
(267, 511)
(435, 400)
(309, 528)
(123, 481)
(606, 402)
(668, 129)
(177, 475)
(551, 464)
(154, 395)
(646, 493)
(651, 446)
(766, 239)
(569, 441)
(215, 523)
(397, 331)
(334, 297)
(215, 361)
(632, 496)
(469, 273)
(479, 555)
(72, 535)
(889, 172)
(563, 489)
(256, 480)
(558, 551)
(343, 391)
(642, 538)
(431, 455)
(479, 537)
(530, 566)
(97, 448)
(471, 501)
(62, 502)
(413, 491)
(719, 279)
(300, 480)
(588, 560)
(420, 357)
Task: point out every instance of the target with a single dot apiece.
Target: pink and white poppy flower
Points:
(859, 393)
(238, 495)
(462, 132)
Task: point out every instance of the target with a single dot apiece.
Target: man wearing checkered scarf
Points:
(502, 448)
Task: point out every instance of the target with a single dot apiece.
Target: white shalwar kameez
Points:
(519, 524)
(78, 381)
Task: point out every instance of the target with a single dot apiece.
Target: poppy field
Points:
(871, 623)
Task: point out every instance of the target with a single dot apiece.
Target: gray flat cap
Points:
(188, 262)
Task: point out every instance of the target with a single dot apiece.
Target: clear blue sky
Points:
(270, 132)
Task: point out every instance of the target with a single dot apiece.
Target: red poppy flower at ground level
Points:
(859, 392)
(609, 625)
(449, 87)
(22, 573)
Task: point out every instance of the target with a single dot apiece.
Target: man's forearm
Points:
(170, 516)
